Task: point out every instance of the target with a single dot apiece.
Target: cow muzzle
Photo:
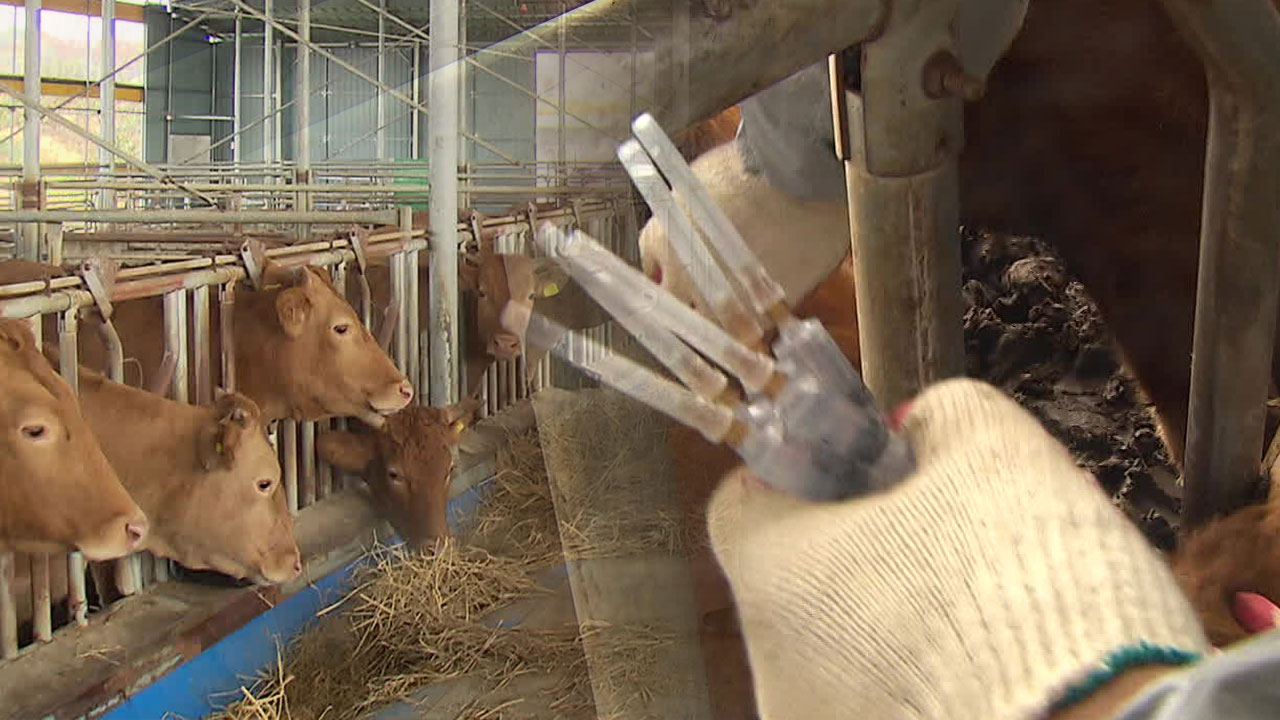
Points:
(117, 538)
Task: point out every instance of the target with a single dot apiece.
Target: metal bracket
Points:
(99, 275)
(476, 232)
(533, 218)
(253, 257)
(359, 237)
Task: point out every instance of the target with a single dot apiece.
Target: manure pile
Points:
(1032, 330)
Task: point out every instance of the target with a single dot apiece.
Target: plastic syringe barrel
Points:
(637, 381)
(709, 279)
(632, 290)
(763, 291)
(679, 358)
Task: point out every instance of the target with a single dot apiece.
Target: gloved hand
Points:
(992, 581)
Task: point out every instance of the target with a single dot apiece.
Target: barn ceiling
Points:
(488, 21)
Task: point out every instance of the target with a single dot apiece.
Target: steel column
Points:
(268, 92)
(31, 194)
(900, 147)
(107, 98)
(442, 93)
(1237, 286)
(237, 100)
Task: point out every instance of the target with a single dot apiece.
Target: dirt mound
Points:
(1031, 329)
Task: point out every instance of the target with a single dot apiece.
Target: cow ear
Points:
(460, 415)
(548, 277)
(345, 450)
(235, 414)
(292, 308)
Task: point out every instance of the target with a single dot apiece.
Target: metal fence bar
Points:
(69, 368)
(201, 342)
(307, 479)
(8, 612)
(289, 461)
(503, 383)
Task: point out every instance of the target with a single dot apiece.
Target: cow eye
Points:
(394, 475)
(264, 485)
(34, 432)
(341, 329)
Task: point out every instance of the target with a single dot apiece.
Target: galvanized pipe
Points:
(268, 93)
(201, 341)
(902, 181)
(409, 306)
(8, 610)
(175, 326)
(313, 217)
(1237, 288)
(400, 339)
(29, 237)
(442, 93)
(237, 99)
(69, 369)
(227, 307)
(381, 140)
(307, 479)
(289, 455)
(302, 98)
(41, 603)
(107, 96)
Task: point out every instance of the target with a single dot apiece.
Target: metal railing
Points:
(196, 282)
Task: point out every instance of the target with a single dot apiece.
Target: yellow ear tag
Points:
(218, 447)
(459, 426)
(550, 290)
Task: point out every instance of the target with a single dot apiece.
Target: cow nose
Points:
(406, 390)
(135, 530)
(297, 566)
(656, 274)
(506, 344)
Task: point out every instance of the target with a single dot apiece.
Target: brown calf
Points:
(57, 490)
(407, 464)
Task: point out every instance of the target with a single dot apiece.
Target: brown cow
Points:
(207, 477)
(57, 490)
(407, 464)
(496, 295)
(301, 351)
(708, 134)
(1239, 552)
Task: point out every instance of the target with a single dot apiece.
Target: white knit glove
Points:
(994, 579)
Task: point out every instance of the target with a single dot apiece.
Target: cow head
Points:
(407, 464)
(331, 364)
(505, 286)
(57, 490)
(230, 515)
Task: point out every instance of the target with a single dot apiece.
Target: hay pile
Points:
(411, 620)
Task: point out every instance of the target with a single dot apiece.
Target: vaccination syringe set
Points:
(803, 421)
